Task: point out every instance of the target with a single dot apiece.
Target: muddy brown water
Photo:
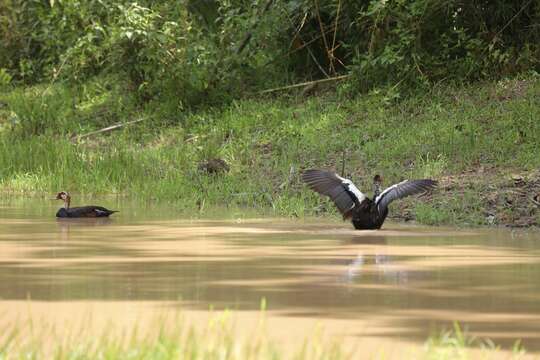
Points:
(402, 283)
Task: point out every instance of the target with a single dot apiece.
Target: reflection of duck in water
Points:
(383, 265)
(65, 225)
(355, 267)
(90, 211)
(373, 263)
(353, 204)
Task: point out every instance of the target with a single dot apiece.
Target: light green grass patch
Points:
(267, 143)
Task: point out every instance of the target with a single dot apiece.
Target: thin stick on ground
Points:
(337, 78)
(107, 129)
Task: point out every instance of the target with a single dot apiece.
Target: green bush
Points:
(424, 41)
(187, 53)
(160, 47)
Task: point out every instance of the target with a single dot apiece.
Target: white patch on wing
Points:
(352, 188)
(378, 198)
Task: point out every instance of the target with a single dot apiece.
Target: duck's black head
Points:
(62, 195)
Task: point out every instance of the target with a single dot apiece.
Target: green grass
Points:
(218, 339)
(462, 208)
(456, 344)
(266, 142)
(164, 339)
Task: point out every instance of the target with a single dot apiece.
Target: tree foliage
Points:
(199, 51)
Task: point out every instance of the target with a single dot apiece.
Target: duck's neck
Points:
(66, 202)
(376, 188)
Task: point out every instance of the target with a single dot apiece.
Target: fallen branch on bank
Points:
(337, 78)
(107, 129)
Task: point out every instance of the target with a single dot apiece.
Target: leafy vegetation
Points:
(192, 53)
(158, 48)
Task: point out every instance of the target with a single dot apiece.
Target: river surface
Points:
(400, 284)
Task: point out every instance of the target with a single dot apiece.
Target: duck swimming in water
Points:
(364, 212)
(90, 211)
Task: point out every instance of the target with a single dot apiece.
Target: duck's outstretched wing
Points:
(342, 191)
(403, 189)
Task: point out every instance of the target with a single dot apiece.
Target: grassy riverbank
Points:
(481, 141)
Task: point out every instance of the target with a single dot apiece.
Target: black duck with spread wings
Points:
(90, 211)
(365, 213)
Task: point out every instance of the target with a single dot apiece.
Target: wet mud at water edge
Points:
(399, 284)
